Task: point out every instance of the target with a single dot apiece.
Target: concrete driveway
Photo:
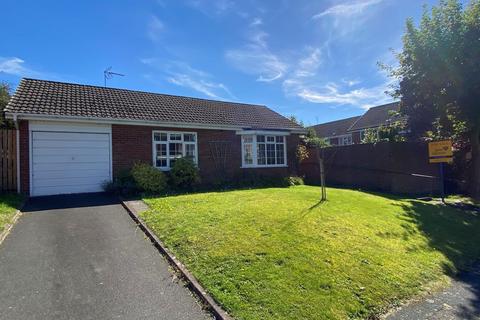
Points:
(82, 257)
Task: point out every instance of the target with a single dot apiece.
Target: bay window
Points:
(170, 146)
(264, 151)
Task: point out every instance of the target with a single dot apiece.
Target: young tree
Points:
(439, 76)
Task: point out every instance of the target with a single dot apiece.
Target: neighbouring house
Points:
(336, 132)
(72, 138)
(351, 130)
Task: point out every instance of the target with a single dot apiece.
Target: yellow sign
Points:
(438, 160)
(440, 151)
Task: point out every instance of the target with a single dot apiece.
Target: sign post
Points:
(441, 152)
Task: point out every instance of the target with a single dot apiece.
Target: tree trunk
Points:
(475, 182)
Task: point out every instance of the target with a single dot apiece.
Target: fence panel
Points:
(389, 167)
(8, 160)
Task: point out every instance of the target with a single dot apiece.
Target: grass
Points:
(9, 203)
(280, 254)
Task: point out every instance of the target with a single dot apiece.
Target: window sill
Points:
(264, 167)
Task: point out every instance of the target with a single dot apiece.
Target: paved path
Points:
(460, 301)
(82, 257)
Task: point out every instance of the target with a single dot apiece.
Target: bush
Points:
(295, 181)
(123, 184)
(149, 178)
(184, 174)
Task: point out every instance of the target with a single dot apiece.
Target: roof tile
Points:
(41, 97)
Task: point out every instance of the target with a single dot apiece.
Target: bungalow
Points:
(351, 130)
(74, 137)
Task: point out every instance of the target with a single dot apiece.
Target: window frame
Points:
(341, 138)
(254, 144)
(167, 142)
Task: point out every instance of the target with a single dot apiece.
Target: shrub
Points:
(123, 184)
(149, 178)
(295, 181)
(184, 174)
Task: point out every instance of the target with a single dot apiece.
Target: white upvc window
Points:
(168, 146)
(263, 150)
(345, 140)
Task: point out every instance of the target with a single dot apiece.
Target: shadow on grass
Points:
(13, 200)
(297, 218)
(456, 234)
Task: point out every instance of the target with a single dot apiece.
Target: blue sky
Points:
(313, 59)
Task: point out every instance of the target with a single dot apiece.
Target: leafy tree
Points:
(296, 120)
(4, 98)
(439, 77)
(370, 136)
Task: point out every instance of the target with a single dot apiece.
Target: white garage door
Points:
(69, 162)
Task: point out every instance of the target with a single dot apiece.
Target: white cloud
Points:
(182, 74)
(17, 67)
(308, 66)
(347, 9)
(304, 83)
(205, 87)
(333, 94)
(256, 22)
(351, 82)
(155, 28)
(255, 58)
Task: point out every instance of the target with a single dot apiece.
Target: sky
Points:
(316, 60)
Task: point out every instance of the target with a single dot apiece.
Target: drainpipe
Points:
(17, 137)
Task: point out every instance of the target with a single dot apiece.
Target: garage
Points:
(69, 158)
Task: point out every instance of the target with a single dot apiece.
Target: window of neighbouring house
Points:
(170, 146)
(263, 151)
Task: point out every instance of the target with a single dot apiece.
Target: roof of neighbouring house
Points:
(334, 128)
(59, 99)
(377, 116)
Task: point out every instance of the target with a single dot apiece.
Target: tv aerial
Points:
(109, 74)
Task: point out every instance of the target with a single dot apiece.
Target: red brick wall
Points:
(24, 158)
(356, 137)
(134, 143)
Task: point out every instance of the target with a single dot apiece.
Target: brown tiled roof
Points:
(334, 128)
(377, 116)
(49, 98)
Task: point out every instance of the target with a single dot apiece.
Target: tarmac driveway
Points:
(82, 257)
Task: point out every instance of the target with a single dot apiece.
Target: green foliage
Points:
(370, 136)
(312, 140)
(302, 153)
(4, 98)
(149, 178)
(394, 132)
(296, 120)
(295, 181)
(279, 254)
(184, 174)
(439, 71)
(9, 203)
(439, 76)
(123, 184)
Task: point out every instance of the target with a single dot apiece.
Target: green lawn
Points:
(9, 204)
(279, 254)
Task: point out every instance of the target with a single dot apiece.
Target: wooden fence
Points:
(8, 160)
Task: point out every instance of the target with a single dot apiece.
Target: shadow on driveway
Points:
(70, 201)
